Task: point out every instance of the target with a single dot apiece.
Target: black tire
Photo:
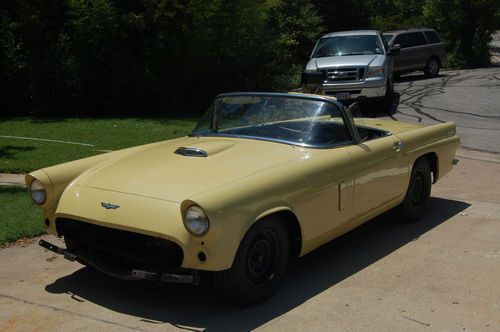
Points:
(385, 105)
(419, 191)
(432, 67)
(258, 266)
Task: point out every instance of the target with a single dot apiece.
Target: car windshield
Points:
(348, 45)
(286, 119)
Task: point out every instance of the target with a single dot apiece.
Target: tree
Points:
(467, 26)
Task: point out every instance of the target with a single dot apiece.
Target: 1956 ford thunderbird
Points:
(264, 176)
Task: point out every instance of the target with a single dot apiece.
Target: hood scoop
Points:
(205, 149)
(191, 152)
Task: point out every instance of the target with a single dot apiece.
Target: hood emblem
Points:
(108, 206)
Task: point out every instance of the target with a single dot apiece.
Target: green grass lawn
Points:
(19, 217)
(20, 156)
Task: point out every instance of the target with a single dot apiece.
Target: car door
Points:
(420, 50)
(413, 51)
(401, 62)
(380, 176)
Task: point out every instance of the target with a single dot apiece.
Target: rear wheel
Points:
(418, 193)
(432, 67)
(259, 265)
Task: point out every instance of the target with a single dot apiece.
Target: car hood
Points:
(157, 172)
(345, 61)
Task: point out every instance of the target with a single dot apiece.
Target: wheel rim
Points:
(433, 67)
(417, 194)
(261, 258)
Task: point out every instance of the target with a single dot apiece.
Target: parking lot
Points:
(438, 274)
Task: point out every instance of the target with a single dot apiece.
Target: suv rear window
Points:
(432, 37)
(410, 39)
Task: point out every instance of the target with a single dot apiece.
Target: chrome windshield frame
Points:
(347, 119)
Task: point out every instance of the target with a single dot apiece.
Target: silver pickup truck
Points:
(352, 66)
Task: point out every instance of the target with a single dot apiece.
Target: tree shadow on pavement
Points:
(10, 151)
(198, 307)
(413, 77)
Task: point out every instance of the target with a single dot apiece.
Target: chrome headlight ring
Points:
(38, 192)
(196, 220)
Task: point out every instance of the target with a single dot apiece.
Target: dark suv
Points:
(421, 49)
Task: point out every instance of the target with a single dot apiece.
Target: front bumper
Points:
(123, 273)
(143, 215)
(369, 88)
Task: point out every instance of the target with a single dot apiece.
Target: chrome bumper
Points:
(134, 275)
(369, 88)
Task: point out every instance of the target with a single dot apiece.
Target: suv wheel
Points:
(432, 68)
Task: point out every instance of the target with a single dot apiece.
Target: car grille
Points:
(116, 251)
(344, 74)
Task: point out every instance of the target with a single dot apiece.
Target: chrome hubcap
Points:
(261, 259)
(433, 67)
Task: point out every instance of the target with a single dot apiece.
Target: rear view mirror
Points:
(395, 49)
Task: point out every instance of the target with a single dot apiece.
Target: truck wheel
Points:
(418, 193)
(432, 67)
(258, 266)
(385, 105)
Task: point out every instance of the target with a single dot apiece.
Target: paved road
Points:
(470, 98)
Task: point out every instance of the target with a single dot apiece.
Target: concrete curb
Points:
(7, 179)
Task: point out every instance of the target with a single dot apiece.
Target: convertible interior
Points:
(320, 133)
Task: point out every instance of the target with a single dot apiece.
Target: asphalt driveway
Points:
(470, 98)
(438, 274)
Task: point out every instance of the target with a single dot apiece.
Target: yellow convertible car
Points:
(263, 177)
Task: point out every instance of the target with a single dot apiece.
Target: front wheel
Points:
(432, 68)
(385, 105)
(418, 193)
(259, 265)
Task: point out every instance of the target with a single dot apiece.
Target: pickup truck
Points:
(352, 66)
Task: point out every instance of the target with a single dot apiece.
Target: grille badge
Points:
(108, 206)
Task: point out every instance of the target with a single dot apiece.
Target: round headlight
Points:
(196, 221)
(38, 192)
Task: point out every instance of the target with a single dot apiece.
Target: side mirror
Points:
(395, 49)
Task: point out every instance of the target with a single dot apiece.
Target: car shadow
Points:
(198, 307)
(372, 110)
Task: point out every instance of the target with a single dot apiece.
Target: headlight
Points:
(196, 221)
(38, 192)
(375, 72)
